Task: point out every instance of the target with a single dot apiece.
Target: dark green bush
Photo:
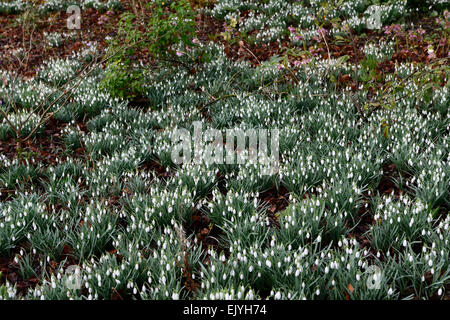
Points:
(171, 23)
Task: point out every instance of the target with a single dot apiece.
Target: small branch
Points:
(216, 100)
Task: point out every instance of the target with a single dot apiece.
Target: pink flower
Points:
(412, 35)
(305, 61)
(322, 31)
(226, 28)
(298, 37)
(395, 28)
(296, 63)
(102, 19)
(179, 53)
(291, 29)
(446, 14)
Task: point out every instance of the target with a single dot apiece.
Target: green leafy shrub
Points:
(121, 82)
(170, 24)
